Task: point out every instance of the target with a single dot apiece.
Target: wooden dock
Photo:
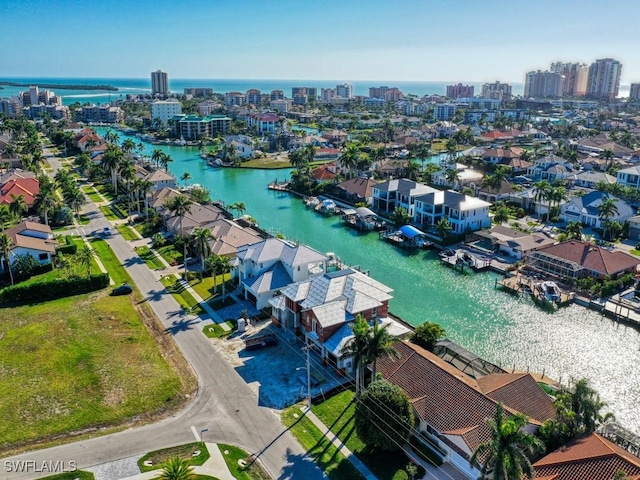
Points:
(463, 258)
(279, 186)
(525, 285)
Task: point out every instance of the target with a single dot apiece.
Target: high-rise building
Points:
(344, 91)
(276, 95)
(634, 91)
(311, 92)
(575, 77)
(543, 84)
(164, 110)
(254, 96)
(159, 83)
(496, 91)
(459, 90)
(604, 79)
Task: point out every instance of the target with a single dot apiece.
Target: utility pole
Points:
(308, 349)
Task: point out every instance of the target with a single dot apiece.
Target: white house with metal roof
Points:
(399, 192)
(267, 266)
(465, 213)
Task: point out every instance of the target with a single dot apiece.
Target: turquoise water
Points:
(507, 330)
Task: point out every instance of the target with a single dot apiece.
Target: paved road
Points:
(224, 404)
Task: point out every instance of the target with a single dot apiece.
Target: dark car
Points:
(123, 289)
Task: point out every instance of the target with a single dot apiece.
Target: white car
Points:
(106, 231)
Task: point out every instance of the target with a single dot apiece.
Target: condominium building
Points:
(604, 79)
(55, 112)
(254, 96)
(543, 84)
(208, 107)
(459, 90)
(235, 98)
(199, 92)
(344, 90)
(308, 91)
(327, 94)
(497, 90)
(193, 127)
(159, 83)
(575, 77)
(11, 107)
(634, 91)
(99, 114)
(276, 95)
(165, 109)
(444, 111)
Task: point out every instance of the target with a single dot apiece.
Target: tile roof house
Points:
(584, 209)
(355, 190)
(575, 259)
(453, 408)
(269, 265)
(322, 308)
(513, 242)
(28, 187)
(590, 457)
(228, 237)
(33, 239)
(325, 173)
(197, 216)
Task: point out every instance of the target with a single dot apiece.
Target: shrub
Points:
(69, 248)
(53, 288)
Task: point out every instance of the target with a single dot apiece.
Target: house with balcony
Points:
(591, 178)
(629, 177)
(265, 267)
(263, 123)
(550, 167)
(465, 213)
(584, 209)
(396, 193)
(320, 310)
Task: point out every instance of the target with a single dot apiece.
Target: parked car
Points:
(191, 261)
(106, 231)
(255, 343)
(123, 289)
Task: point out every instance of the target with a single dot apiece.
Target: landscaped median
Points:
(92, 194)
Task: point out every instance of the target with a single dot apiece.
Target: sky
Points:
(403, 40)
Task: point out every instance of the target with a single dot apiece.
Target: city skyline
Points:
(355, 41)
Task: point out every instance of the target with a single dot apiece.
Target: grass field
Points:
(170, 254)
(282, 161)
(104, 191)
(323, 452)
(78, 363)
(184, 298)
(215, 331)
(232, 455)
(92, 194)
(127, 232)
(110, 261)
(205, 286)
(149, 258)
(108, 212)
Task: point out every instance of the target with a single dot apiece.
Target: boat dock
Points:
(524, 284)
(279, 186)
(461, 258)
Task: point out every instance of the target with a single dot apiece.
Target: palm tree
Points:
(176, 469)
(128, 146)
(45, 202)
(156, 156)
(18, 206)
(111, 160)
(75, 199)
(84, 256)
(607, 154)
(606, 211)
(574, 230)
(165, 160)
(180, 206)
(185, 177)
(501, 214)
(358, 349)
(505, 453)
(6, 245)
(542, 190)
(452, 176)
(380, 343)
(5, 216)
(200, 238)
(144, 187)
(443, 227)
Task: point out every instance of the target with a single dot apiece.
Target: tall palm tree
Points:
(128, 146)
(6, 245)
(176, 469)
(574, 230)
(542, 190)
(185, 177)
(75, 199)
(443, 227)
(18, 205)
(505, 453)
(45, 202)
(357, 348)
(111, 160)
(5, 216)
(144, 187)
(606, 211)
(380, 344)
(156, 156)
(180, 206)
(200, 238)
(452, 175)
(165, 160)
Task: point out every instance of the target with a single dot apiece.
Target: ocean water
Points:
(143, 85)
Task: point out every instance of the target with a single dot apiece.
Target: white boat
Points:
(326, 207)
(551, 291)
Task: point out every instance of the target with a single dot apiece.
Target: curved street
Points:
(224, 404)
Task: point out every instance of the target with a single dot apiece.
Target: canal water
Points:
(572, 342)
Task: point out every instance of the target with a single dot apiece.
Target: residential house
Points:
(629, 177)
(496, 195)
(322, 309)
(465, 213)
(161, 179)
(35, 239)
(390, 167)
(354, 190)
(466, 177)
(574, 259)
(584, 209)
(326, 153)
(501, 155)
(452, 407)
(267, 266)
(160, 197)
(590, 457)
(15, 184)
(550, 167)
(396, 193)
(197, 216)
(634, 227)
(325, 173)
(228, 237)
(263, 123)
(513, 243)
(335, 137)
(599, 143)
(591, 178)
(242, 150)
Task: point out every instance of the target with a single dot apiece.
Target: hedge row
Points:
(53, 288)
(70, 248)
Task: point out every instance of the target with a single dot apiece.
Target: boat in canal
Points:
(406, 236)
(327, 207)
(363, 218)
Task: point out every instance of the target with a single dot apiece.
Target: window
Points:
(43, 256)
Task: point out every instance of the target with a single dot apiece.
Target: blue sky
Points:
(412, 40)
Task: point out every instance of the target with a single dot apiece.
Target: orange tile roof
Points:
(590, 457)
(29, 187)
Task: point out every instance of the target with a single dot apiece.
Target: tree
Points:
(357, 348)
(501, 214)
(452, 175)
(574, 230)
(384, 416)
(165, 159)
(443, 227)
(200, 238)
(185, 177)
(84, 256)
(176, 469)
(505, 453)
(400, 217)
(380, 343)
(542, 191)
(6, 245)
(111, 160)
(200, 195)
(180, 206)
(5, 216)
(427, 334)
(23, 266)
(606, 211)
(156, 156)
(18, 205)
(75, 199)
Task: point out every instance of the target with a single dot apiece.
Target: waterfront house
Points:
(575, 259)
(465, 213)
(501, 155)
(584, 209)
(634, 227)
(265, 267)
(590, 457)
(197, 216)
(513, 243)
(466, 177)
(550, 167)
(34, 239)
(452, 407)
(396, 193)
(322, 309)
(242, 149)
(335, 137)
(495, 195)
(325, 173)
(263, 123)
(591, 178)
(227, 237)
(15, 184)
(354, 190)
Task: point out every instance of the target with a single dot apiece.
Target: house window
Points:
(298, 267)
(43, 256)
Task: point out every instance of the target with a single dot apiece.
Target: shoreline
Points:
(61, 86)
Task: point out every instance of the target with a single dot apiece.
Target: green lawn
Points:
(110, 261)
(106, 193)
(127, 232)
(216, 331)
(78, 474)
(183, 451)
(149, 258)
(267, 163)
(205, 286)
(94, 265)
(144, 230)
(323, 452)
(92, 194)
(108, 212)
(184, 298)
(170, 254)
(83, 220)
(232, 455)
(78, 363)
(337, 413)
(635, 252)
